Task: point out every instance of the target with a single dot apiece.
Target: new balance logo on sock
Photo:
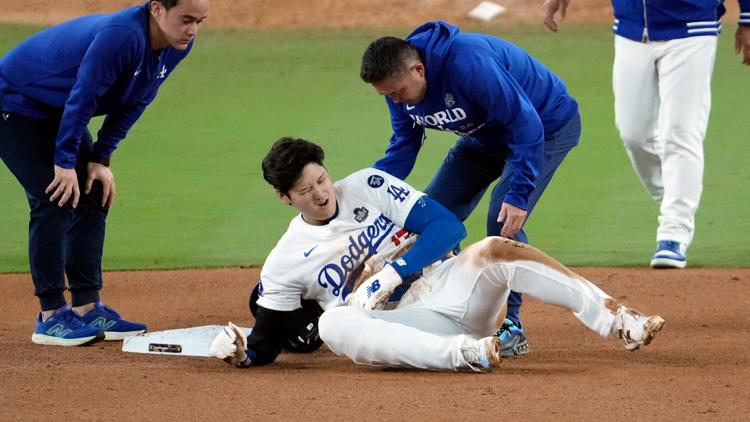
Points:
(101, 322)
(59, 330)
(5, 116)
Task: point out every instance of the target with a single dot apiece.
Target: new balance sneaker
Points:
(669, 254)
(634, 328)
(483, 354)
(65, 328)
(513, 339)
(114, 327)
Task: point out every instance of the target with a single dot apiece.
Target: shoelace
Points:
(109, 312)
(72, 319)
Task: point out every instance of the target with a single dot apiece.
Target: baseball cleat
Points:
(634, 328)
(669, 254)
(115, 328)
(513, 339)
(481, 355)
(65, 328)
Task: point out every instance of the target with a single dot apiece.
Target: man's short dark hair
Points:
(168, 4)
(386, 57)
(283, 165)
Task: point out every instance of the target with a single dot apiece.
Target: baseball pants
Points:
(62, 240)
(662, 104)
(466, 298)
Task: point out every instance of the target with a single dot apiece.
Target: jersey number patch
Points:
(398, 193)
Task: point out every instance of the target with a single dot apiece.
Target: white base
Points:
(193, 341)
(486, 11)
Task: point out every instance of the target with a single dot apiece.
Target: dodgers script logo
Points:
(361, 246)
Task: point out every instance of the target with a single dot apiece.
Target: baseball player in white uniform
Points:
(416, 307)
(664, 58)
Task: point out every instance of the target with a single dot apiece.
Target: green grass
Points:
(190, 192)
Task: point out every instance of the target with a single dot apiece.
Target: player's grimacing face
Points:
(313, 195)
(408, 87)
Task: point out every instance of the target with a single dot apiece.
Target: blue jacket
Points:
(90, 66)
(661, 20)
(487, 90)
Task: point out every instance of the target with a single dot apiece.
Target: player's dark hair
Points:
(168, 4)
(283, 165)
(386, 57)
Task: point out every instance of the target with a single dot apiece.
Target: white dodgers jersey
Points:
(323, 262)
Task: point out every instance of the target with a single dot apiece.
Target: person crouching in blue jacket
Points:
(515, 120)
(51, 85)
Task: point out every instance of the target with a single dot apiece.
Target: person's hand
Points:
(64, 186)
(374, 292)
(742, 43)
(512, 219)
(103, 174)
(550, 8)
(230, 345)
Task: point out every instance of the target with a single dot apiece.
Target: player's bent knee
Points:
(496, 248)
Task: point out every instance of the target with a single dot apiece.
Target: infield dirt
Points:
(696, 368)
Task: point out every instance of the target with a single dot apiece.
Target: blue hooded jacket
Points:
(661, 20)
(91, 66)
(487, 90)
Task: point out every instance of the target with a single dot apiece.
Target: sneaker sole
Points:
(46, 340)
(665, 263)
(495, 355)
(120, 335)
(518, 349)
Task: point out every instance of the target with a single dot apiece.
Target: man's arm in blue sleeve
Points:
(116, 127)
(439, 232)
(497, 92)
(405, 143)
(110, 54)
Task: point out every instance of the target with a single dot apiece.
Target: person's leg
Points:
(500, 264)
(685, 87)
(464, 176)
(86, 237)
(27, 147)
(556, 148)
(414, 336)
(635, 84)
(83, 264)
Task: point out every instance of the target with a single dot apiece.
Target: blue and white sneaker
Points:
(115, 328)
(669, 254)
(65, 328)
(513, 339)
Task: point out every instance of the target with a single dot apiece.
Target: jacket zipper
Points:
(645, 23)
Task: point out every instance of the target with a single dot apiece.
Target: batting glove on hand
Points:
(230, 345)
(374, 292)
